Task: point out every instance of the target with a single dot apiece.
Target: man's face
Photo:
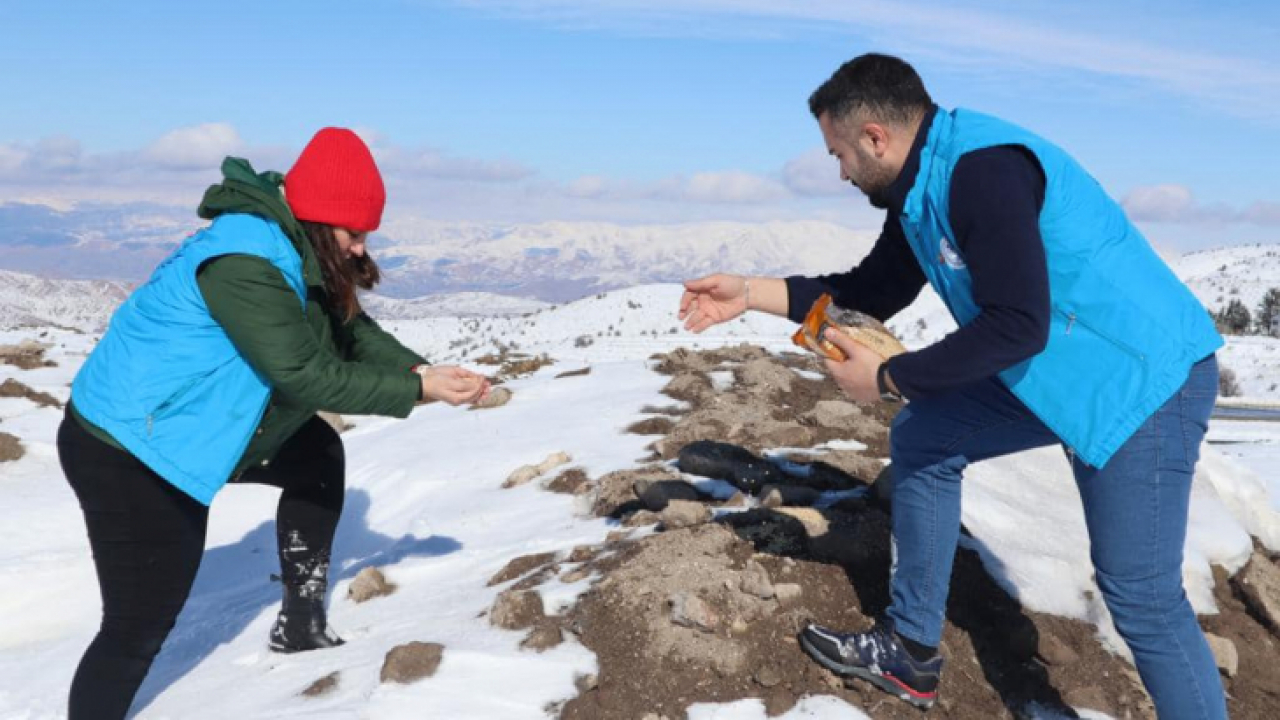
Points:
(861, 150)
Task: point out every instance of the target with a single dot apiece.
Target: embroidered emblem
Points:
(948, 255)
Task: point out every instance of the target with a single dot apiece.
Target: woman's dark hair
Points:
(886, 87)
(342, 276)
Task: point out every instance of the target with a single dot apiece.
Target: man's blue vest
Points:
(1124, 331)
(166, 382)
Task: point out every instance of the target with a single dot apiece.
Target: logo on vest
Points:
(949, 256)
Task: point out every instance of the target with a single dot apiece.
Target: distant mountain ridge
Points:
(552, 262)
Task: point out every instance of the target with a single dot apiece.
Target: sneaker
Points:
(878, 657)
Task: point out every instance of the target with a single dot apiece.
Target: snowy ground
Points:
(425, 504)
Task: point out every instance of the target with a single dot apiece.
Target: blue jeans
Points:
(1135, 508)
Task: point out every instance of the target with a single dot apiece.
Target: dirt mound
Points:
(11, 388)
(26, 355)
(710, 613)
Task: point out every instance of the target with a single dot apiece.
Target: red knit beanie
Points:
(336, 182)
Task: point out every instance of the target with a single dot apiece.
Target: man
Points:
(1072, 332)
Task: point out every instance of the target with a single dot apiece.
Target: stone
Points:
(497, 397)
(683, 513)
(411, 662)
(10, 447)
(1225, 654)
(576, 575)
(517, 610)
(692, 611)
(788, 593)
(657, 494)
(768, 676)
(1055, 652)
(754, 581)
(1259, 583)
(368, 584)
(521, 566)
(776, 496)
(520, 476)
(586, 683)
(738, 500)
(323, 686)
(641, 518)
(543, 637)
(837, 414)
(525, 473)
(581, 553)
(815, 523)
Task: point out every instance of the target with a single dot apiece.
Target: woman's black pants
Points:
(148, 537)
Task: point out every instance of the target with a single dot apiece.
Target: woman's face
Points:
(350, 242)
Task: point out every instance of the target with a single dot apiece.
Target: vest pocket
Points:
(162, 410)
(1074, 323)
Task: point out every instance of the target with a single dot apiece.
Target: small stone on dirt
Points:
(692, 611)
(788, 593)
(683, 513)
(1225, 654)
(323, 686)
(520, 566)
(543, 637)
(412, 662)
(368, 584)
(517, 610)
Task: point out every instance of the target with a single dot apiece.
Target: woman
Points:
(213, 372)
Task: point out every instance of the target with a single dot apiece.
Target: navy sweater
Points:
(996, 195)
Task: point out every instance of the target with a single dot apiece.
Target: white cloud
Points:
(815, 174)
(196, 147)
(732, 187)
(1176, 204)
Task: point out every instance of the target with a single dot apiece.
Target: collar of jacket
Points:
(896, 194)
(243, 190)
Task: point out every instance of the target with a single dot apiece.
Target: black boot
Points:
(301, 624)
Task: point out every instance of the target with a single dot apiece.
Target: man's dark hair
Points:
(885, 87)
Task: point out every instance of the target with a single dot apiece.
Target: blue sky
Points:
(633, 111)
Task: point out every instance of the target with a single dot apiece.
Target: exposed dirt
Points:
(10, 447)
(11, 388)
(710, 613)
(26, 355)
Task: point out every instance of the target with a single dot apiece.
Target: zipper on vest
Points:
(1071, 321)
(150, 424)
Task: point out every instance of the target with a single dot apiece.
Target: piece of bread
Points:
(864, 329)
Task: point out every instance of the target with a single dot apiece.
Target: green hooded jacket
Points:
(312, 360)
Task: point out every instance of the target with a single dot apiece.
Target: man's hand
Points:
(856, 375)
(712, 300)
(453, 385)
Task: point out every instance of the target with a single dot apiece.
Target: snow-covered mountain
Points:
(565, 261)
(1243, 273)
(80, 304)
(554, 262)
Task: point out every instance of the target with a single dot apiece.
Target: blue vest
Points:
(1124, 330)
(166, 382)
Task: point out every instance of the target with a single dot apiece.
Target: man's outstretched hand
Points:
(712, 300)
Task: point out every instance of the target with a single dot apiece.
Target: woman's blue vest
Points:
(166, 382)
(1124, 331)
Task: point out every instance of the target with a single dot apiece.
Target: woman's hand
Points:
(452, 384)
(712, 300)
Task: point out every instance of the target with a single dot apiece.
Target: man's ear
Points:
(876, 136)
